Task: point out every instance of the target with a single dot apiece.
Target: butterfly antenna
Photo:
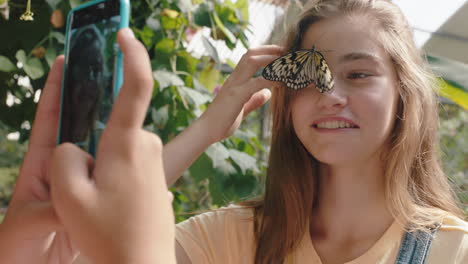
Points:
(313, 47)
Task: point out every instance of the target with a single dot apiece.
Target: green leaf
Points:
(201, 16)
(21, 56)
(244, 135)
(211, 49)
(226, 168)
(201, 168)
(187, 63)
(34, 68)
(242, 186)
(166, 79)
(165, 46)
(244, 40)
(219, 155)
(229, 17)
(243, 160)
(50, 56)
(231, 64)
(221, 26)
(58, 36)
(146, 35)
(216, 190)
(193, 96)
(171, 23)
(197, 85)
(210, 76)
(6, 65)
(230, 45)
(243, 7)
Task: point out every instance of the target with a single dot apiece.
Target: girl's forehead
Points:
(343, 35)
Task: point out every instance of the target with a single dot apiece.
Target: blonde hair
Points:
(417, 191)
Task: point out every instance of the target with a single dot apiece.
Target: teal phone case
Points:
(118, 74)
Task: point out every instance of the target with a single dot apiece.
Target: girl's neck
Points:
(351, 201)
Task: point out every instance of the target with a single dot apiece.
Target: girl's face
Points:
(350, 125)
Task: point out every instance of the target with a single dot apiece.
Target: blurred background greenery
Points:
(228, 171)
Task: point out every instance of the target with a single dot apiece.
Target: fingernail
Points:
(128, 33)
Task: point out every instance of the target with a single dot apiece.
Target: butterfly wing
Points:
(323, 77)
(293, 69)
(307, 73)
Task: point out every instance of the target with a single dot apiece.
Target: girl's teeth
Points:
(334, 124)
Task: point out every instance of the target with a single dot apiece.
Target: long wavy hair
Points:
(417, 191)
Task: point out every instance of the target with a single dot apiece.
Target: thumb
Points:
(258, 99)
(72, 187)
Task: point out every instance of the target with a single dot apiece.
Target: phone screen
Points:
(90, 75)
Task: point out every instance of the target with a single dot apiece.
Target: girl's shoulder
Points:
(217, 236)
(450, 244)
(233, 223)
(230, 215)
(453, 223)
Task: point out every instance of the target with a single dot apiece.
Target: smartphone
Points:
(93, 71)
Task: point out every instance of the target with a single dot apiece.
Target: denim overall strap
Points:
(415, 246)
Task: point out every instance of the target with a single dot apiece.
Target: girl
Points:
(353, 174)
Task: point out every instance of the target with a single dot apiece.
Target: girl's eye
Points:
(358, 75)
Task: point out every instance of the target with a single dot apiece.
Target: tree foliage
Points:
(227, 171)
(454, 149)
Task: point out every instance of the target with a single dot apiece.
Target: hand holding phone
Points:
(116, 209)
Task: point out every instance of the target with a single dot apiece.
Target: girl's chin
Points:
(338, 159)
(336, 163)
(346, 158)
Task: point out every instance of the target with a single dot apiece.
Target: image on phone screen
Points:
(89, 80)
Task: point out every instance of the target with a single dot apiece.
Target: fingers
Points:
(44, 131)
(43, 137)
(130, 107)
(244, 96)
(254, 85)
(73, 196)
(252, 60)
(259, 61)
(266, 49)
(71, 185)
(258, 99)
(248, 66)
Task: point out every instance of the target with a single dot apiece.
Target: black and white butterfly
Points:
(298, 69)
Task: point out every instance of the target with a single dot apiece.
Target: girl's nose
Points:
(337, 98)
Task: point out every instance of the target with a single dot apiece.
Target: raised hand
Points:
(31, 232)
(240, 95)
(116, 209)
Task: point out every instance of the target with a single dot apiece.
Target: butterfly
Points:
(298, 69)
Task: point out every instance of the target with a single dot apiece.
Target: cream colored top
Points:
(226, 237)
